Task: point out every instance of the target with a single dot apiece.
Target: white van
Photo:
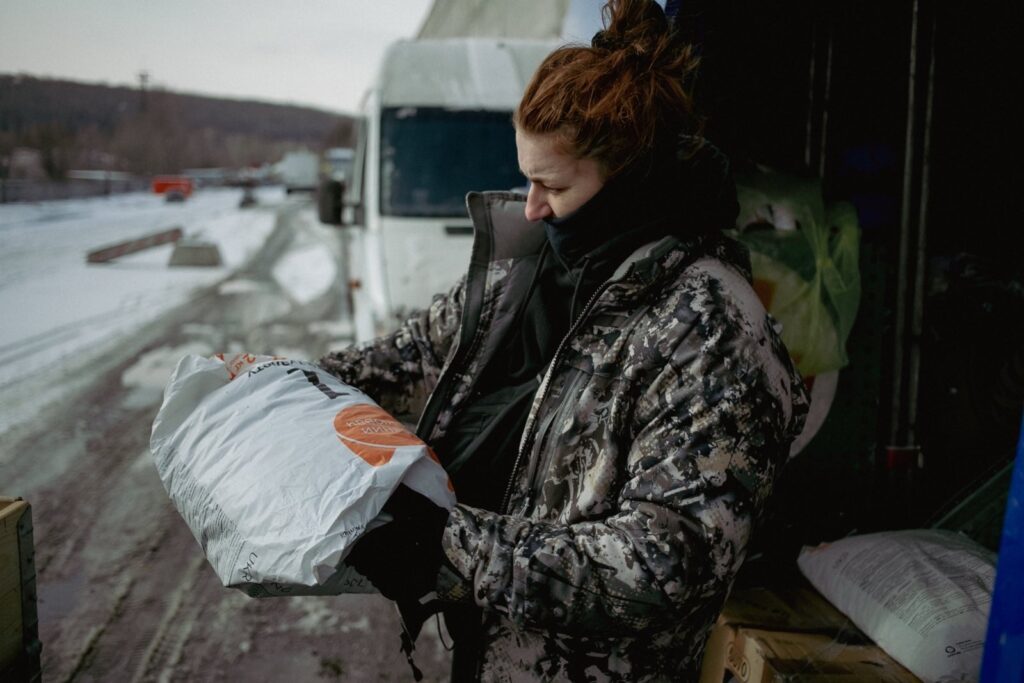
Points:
(436, 125)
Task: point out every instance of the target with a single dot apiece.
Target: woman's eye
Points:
(548, 188)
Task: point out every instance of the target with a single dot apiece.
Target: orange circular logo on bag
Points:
(372, 434)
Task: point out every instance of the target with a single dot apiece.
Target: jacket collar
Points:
(501, 231)
(651, 262)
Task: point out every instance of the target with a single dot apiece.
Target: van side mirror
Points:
(329, 201)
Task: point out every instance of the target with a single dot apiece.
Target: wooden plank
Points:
(19, 623)
(11, 636)
(131, 246)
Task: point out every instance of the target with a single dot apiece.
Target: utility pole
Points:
(143, 82)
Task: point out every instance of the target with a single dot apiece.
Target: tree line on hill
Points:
(70, 125)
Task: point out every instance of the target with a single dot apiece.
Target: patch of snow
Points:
(148, 377)
(308, 270)
(241, 286)
(335, 328)
(360, 624)
(59, 311)
(317, 615)
(306, 273)
(204, 330)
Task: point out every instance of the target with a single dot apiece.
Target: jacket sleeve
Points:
(400, 370)
(710, 435)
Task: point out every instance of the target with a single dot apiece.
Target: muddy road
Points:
(124, 591)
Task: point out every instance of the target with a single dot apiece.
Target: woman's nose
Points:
(536, 205)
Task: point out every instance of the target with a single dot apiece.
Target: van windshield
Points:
(431, 157)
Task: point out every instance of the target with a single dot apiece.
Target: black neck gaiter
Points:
(631, 209)
(683, 189)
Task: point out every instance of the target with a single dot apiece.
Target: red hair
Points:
(610, 101)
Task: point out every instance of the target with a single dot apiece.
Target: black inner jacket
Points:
(670, 193)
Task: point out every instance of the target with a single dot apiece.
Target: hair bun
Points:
(609, 101)
(603, 40)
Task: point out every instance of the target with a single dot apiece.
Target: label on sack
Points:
(278, 467)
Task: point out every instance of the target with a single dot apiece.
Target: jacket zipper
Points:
(526, 443)
(445, 385)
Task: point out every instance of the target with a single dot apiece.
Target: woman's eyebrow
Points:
(538, 177)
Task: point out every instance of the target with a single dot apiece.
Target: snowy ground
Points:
(60, 312)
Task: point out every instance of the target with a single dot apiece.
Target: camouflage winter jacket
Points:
(650, 449)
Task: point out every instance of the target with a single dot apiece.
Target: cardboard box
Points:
(791, 608)
(792, 634)
(19, 625)
(758, 656)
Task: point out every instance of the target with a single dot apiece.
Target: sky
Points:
(320, 53)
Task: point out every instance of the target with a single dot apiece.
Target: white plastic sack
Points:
(278, 467)
(922, 595)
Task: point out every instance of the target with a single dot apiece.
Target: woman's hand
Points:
(401, 559)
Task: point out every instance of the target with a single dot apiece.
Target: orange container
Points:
(163, 184)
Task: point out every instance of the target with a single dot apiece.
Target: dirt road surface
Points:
(124, 591)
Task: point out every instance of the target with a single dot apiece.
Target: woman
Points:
(609, 396)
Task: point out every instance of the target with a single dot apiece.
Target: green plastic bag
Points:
(804, 264)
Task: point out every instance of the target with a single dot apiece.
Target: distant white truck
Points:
(337, 163)
(299, 171)
(436, 124)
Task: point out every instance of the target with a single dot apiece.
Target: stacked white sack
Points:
(922, 594)
(278, 467)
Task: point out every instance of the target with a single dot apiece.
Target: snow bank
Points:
(308, 270)
(57, 309)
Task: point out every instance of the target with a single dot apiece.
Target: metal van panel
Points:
(421, 258)
(460, 73)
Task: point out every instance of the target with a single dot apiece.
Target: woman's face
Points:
(559, 182)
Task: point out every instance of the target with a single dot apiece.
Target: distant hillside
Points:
(79, 125)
